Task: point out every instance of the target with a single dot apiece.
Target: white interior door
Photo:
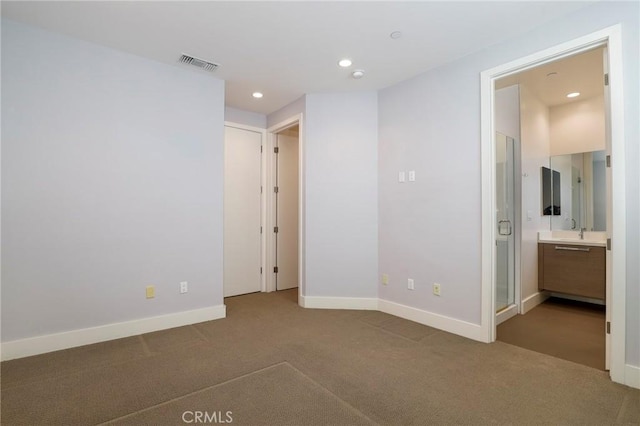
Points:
(287, 209)
(242, 202)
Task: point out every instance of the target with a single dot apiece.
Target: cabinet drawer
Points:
(572, 269)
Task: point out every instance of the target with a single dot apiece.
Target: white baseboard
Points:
(632, 376)
(320, 302)
(534, 300)
(86, 336)
(441, 322)
(506, 314)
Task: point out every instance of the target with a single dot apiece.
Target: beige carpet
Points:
(276, 395)
(570, 330)
(272, 362)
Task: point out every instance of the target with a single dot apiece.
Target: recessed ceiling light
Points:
(344, 63)
(395, 35)
(257, 95)
(357, 74)
(573, 95)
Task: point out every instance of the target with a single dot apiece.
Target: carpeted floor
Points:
(563, 328)
(271, 362)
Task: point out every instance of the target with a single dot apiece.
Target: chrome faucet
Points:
(582, 233)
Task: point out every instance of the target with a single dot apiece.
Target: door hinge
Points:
(608, 157)
(260, 149)
(276, 229)
(261, 229)
(276, 150)
(606, 79)
(275, 189)
(608, 243)
(608, 327)
(261, 270)
(261, 189)
(275, 269)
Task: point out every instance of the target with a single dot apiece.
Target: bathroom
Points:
(551, 188)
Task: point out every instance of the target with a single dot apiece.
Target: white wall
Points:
(563, 165)
(111, 181)
(507, 111)
(431, 230)
(577, 126)
(286, 112)
(341, 194)
(246, 118)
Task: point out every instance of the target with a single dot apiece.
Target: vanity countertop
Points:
(594, 239)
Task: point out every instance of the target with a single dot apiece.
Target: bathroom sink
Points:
(574, 241)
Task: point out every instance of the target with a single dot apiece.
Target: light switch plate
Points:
(400, 176)
(412, 176)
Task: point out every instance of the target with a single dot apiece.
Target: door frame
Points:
(263, 134)
(269, 199)
(611, 37)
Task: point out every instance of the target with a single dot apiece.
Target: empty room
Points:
(320, 213)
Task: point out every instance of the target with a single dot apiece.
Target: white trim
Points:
(86, 336)
(441, 322)
(534, 300)
(610, 36)
(321, 302)
(632, 376)
(506, 314)
(269, 242)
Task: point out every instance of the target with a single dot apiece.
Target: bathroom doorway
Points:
(615, 236)
(559, 135)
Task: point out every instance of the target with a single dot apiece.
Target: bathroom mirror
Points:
(582, 191)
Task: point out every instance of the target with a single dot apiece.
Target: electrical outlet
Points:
(151, 291)
(410, 284)
(385, 279)
(401, 177)
(436, 289)
(184, 287)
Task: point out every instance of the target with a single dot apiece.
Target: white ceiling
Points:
(581, 73)
(287, 49)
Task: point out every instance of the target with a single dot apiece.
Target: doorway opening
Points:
(563, 191)
(614, 252)
(284, 206)
(263, 207)
(286, 201)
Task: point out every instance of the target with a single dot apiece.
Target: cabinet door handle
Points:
(572, 248)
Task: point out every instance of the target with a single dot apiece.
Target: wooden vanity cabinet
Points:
(572, 269)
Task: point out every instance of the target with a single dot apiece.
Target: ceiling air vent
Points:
(200, 63)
